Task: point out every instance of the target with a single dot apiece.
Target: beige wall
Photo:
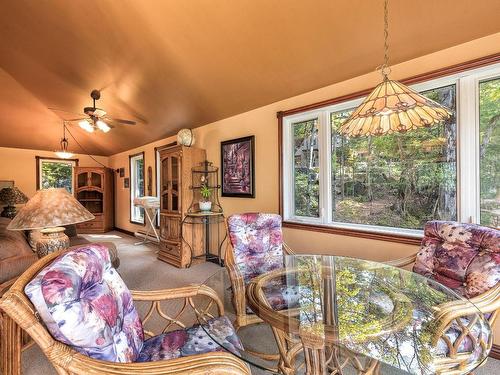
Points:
(19, 164)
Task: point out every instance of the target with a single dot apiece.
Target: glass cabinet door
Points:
(165, 182)
(95, 179)
(81, 179)
(175, 169)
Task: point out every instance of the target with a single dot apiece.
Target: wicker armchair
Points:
(67, 360)
(465, 258)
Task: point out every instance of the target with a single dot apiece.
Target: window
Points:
(397, 182)
(136, 186)
(55, 173)
(489, 151)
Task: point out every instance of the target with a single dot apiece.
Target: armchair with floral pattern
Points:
(81, 314)
(466, 259)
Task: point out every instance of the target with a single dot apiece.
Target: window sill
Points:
(345, 230)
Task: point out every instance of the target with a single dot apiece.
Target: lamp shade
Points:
(393, 107)
(50, 208)
(12, 196)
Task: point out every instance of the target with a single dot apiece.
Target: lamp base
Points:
(51, 240)
(9, 211)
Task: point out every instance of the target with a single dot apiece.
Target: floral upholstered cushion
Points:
(85, 304)
(257, 243)
(464, 257)
(281, 296)
(194, 340)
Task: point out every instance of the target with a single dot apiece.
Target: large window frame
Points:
(134, 211)
(45, 159)
(468, 158)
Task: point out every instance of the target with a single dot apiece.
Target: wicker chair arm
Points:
(209, 363)
(174, 293)
(402, 262)
(288, 249)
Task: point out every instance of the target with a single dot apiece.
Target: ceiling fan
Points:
(97, 118)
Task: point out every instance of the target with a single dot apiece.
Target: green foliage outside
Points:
(489, 151)
(56, 175)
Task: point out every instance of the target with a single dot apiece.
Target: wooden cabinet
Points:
(94, 190)
(175, 198)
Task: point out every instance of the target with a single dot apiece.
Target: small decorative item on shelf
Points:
(11, 196)
(205, 203)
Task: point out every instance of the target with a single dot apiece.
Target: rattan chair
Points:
(21, 313)
(463, 257)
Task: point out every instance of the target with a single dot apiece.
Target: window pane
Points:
(56, 175)
(489, 151)
(137, 186)
(396, 180)
(306, 168)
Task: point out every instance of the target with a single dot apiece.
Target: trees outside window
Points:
(137, 188)
(55, 173)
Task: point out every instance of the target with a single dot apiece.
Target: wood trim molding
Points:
(130, 185)
(121, 230)
(453, 69)
(495, 351)
(398, 238)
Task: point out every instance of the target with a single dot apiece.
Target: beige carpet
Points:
(142, 271)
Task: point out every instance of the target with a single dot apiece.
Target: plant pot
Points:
(205, 206)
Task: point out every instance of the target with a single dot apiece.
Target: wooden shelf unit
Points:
(94, 190)
(175, 199)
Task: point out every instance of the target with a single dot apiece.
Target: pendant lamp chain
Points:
(384, 69)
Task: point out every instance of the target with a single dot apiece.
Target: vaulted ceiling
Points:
(184, 63)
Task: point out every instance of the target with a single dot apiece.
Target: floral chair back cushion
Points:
(464, 257)
(257, 243)
(86, 305)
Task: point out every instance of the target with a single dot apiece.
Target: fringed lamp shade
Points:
(50, 208)
(393, 108)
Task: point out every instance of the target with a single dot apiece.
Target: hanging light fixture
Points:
(87, 126)
(392, 107)
(64, 153)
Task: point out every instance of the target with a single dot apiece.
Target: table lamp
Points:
(48, 211)
(11, 196)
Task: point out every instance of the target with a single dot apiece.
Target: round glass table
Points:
(339, 315)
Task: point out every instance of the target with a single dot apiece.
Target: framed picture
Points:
(126, 182)
(238, 167)
(122, 172)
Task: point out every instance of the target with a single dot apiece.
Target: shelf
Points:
(89, 200)
(202, 214)
(210, 187)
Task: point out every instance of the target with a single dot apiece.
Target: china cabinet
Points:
(175, 198)
(94, 190)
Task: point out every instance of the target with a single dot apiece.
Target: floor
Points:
(142, 271)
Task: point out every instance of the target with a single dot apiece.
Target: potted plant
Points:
(206, 193)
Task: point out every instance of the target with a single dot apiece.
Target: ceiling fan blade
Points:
(121, 121)
(99, 112)
(62, 110)
(77, 119)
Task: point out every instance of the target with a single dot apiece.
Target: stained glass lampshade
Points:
(11, 196)
(393, 107)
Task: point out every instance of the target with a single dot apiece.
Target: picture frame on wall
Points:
(126, 182)
(238, 167)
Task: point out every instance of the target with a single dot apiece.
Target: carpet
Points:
(141, 270)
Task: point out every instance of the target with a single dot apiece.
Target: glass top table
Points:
(336, 315)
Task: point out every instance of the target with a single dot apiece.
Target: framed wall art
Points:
(238, 167)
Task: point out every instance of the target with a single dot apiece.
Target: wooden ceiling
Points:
(184, 63)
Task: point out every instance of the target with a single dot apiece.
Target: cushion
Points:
(15, 253)
(194, 340)
(257, 243)
(85, 304)
(464, 257)
(281, 296)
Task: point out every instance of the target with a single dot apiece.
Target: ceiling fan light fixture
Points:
(85, 125)
(103, 126)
